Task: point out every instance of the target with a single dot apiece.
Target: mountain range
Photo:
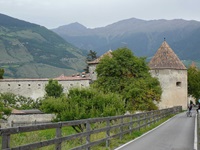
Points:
(141, 36)
(32, 51)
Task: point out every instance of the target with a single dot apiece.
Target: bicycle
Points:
(189, 114)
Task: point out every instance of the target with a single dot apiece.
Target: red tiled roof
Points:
(61, 77)
(30, 111)
(165, 58)
(15, 111)
(73, 77)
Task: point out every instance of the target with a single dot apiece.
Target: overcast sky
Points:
(98, 13)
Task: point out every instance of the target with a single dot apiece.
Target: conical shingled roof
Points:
(165, 58)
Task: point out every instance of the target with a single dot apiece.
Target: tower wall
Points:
(174, 87)
(92, 72)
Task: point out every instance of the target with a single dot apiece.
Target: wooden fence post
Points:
(154, 116)
(108, 134)
(131, 124)
(146, 120)
(88, 136)
(151, 118)
(5, 141)
(121, 128)
(138, 119)
(58, 135)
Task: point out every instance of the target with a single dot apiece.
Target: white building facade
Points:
(35, 88)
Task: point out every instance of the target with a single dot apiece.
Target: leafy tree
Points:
(8, 101)
(193, 82)
(83, 104)
(128, 75)
(1, 73)
(53, 88)
(4, 110)
(18, 102)
(92, 55)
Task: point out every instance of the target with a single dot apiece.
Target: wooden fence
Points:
(112, 127)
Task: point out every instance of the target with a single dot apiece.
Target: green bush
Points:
(82, 104)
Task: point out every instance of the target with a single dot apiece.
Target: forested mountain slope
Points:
(32, 51)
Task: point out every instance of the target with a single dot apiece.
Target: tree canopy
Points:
(129, 76)
(9, 101)
(82, 104)
(193, 82)
(1, 73)
(92, 55)
(53, 88)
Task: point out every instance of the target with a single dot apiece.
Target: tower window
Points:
(178, 84)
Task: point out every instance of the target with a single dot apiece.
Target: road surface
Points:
(175, 134)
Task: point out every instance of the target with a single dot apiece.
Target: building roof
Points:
(165, 58)
(62, 77)
(25, 112)
(96, 61)
(78, 76)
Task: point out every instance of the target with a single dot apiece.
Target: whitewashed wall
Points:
(35, 88)
(174, 87)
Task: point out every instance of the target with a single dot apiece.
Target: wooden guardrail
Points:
(112, 127)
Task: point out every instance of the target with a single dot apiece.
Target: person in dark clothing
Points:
(190, 107)
(189, 113)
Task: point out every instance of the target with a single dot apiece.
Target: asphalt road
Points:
(175, 134)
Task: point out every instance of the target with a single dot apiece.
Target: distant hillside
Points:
(142, 37)
(32, 51)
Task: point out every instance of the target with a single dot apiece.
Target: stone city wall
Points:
(35, 88)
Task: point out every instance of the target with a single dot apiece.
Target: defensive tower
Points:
(172, 74)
